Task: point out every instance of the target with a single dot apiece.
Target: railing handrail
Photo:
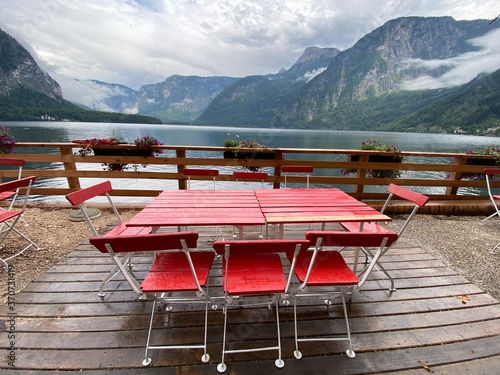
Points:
(454, 167)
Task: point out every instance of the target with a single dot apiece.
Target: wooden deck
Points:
(436, 318)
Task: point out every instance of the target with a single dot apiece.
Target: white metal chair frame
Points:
(9, 218)
(178, 256)
(488, 173)
(419, 200)
(79, 199)
(268, 265)
(340, 276)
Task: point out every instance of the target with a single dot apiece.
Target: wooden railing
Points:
(58, 160)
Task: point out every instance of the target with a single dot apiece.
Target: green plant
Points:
(117, 138)
(151, 142)
(7, 141)
(240, 151)
(376, 145)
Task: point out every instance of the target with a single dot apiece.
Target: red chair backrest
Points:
(260, 246)
(16, 162)
(80, 196)
(148, 242)
(16, 184)
(297, 169)
(417, 198)
(200, 172)
(250, 175)
(354, 239)
(492, 171)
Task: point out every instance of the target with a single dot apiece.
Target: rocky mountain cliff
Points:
(258, 100)
(19, 69)
(363, 87)
(382, 60)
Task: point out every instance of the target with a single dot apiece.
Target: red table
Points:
(287, 206)
(253, 207)
(200, 207)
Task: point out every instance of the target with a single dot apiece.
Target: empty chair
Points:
(79, 198)
(179, 274)
(19, 163)
(495, 198)
(418, 200)
(324, 273)
(250, 176)
(10, 218)
(254, 268)
(288, 169)
(193, 172)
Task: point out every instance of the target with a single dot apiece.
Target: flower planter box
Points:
(379, 158)
(249, 155)
(113, 151)
(479, 161)
(379, 173)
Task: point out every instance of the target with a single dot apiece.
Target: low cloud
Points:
(460, 69)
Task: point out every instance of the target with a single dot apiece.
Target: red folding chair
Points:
(199, 172)
(324, 273)
(307, 169)
(10, 218)
(12, 195)
(495, 198)
(179, 274)
(254, 268)
(417, 199)
(301, 169)
(80, 198)
(249, 176)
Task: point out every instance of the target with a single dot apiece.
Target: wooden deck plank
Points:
(436, 316)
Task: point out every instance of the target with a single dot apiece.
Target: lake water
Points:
(215, 136)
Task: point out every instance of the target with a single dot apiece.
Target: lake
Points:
(44, 131)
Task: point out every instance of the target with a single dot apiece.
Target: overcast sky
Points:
(137, 42)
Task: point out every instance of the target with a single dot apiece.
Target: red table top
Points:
(281, 206)
(253, 207)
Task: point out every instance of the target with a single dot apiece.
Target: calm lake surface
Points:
(215, 136)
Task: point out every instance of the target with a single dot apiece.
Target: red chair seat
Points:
(329, 268)
(268, 279)
(179, 276)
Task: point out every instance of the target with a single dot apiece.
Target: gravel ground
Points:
(460, 241)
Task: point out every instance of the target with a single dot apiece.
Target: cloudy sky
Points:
(137, 42)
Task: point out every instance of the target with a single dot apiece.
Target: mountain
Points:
(19, 69)
(258, 100)
(29, 93)
(179, 98)
(381, 61)
(362, 88)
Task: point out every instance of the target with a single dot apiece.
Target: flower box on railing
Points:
(262, 155)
